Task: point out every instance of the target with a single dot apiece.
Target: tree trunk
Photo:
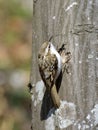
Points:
(76, 24)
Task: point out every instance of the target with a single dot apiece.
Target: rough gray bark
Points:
(75, 23)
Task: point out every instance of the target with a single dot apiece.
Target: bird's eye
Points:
(49, 46)
(39, 56)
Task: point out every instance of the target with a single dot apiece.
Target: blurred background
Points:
(15, 59)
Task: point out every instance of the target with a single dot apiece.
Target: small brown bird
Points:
(50, 66)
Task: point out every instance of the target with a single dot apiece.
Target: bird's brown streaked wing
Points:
(48, 70)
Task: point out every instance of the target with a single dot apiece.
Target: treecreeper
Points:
(52, 63)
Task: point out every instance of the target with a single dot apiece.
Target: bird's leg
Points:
(65, 56)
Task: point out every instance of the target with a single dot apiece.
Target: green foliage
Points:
(14, 33)
(25, 65)
(10, 37)
(10, 9)
(16, 126)
(13, 8)
(18, 98)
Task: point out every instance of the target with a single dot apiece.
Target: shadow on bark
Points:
(47, 107)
